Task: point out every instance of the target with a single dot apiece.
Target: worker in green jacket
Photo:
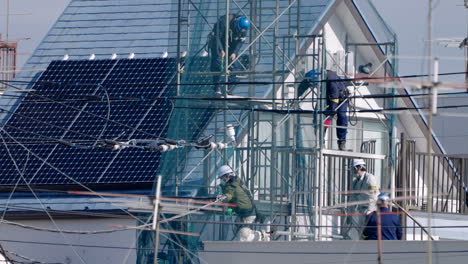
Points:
(234, 192)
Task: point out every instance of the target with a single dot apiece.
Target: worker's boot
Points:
(265, 236)
(342, 145)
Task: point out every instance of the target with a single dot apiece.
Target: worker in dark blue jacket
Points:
(389, 222)
(337, 104)
(237, 34)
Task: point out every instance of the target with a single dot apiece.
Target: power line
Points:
(97, 116)
(68, 212)
(98, 99)
(75, 245)
(362, 78)
(63, 231)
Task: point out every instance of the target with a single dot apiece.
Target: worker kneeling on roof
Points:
(234, 192)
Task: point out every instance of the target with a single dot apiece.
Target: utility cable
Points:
(75, 245)
(97, 116)
(68, 177)
(184, 248)
(63, 231)
(179, 243)
(30, 260)
(108, 115)
(133, 129)
(361, 78)
(16, 183)
(66, 212)
(43, 207)
(234, 99)
(191, 211)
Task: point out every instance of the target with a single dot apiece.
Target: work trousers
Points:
(246, 233)
(342, 121)
(217, 65)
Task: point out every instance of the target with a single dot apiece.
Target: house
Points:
(121, 92)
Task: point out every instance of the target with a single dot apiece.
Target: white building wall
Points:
(48, 247)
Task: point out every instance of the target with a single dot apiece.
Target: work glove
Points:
(221, 197)
(229, 212)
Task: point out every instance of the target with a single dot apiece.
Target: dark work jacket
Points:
(218, 36)
(306, 83)
(236, 194)
(391, 227)
(335, 90)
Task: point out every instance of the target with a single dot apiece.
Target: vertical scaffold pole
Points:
(156, 219)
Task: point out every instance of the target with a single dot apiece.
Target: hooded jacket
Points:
(336, 90)
(218, 35)
(236, 194)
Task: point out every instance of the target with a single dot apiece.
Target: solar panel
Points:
(52, 138)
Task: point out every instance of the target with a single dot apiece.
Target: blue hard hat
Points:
(313, 74)
(242, 23)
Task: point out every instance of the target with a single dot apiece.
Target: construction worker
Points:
(337, 104)
(234, 192)
(389, 222)
(364, 197)
(237, 34)
(310, 81)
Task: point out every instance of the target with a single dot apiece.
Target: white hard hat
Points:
(225, 169)
(358, 162)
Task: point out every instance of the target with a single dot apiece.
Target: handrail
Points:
(414, 220)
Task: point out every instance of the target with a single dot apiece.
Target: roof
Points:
(148, 28)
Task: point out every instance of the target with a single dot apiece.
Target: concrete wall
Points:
(48, 247)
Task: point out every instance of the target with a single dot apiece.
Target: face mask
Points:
(356, 172)
(224, 179)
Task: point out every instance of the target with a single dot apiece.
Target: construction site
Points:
(125, 114)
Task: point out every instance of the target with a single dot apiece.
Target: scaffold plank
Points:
(352, 154)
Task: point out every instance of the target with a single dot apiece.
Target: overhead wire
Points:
(76, 232)
(178, 242)
(42, 205)
(66, 176)
(30, 260)
(360, 78)
(98, 246)
(97, 116)
(87, 98)
(82, 213)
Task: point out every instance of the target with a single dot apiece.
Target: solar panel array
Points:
(53, 136)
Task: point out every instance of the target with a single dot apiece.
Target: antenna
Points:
(7, 19)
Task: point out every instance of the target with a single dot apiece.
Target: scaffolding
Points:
(280, 151)
(7, 62)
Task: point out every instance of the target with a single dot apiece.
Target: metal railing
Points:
(449, 174)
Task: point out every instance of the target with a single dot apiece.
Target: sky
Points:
(30, 20)
(409, 19)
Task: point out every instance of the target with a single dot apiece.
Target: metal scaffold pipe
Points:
(156, 219)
